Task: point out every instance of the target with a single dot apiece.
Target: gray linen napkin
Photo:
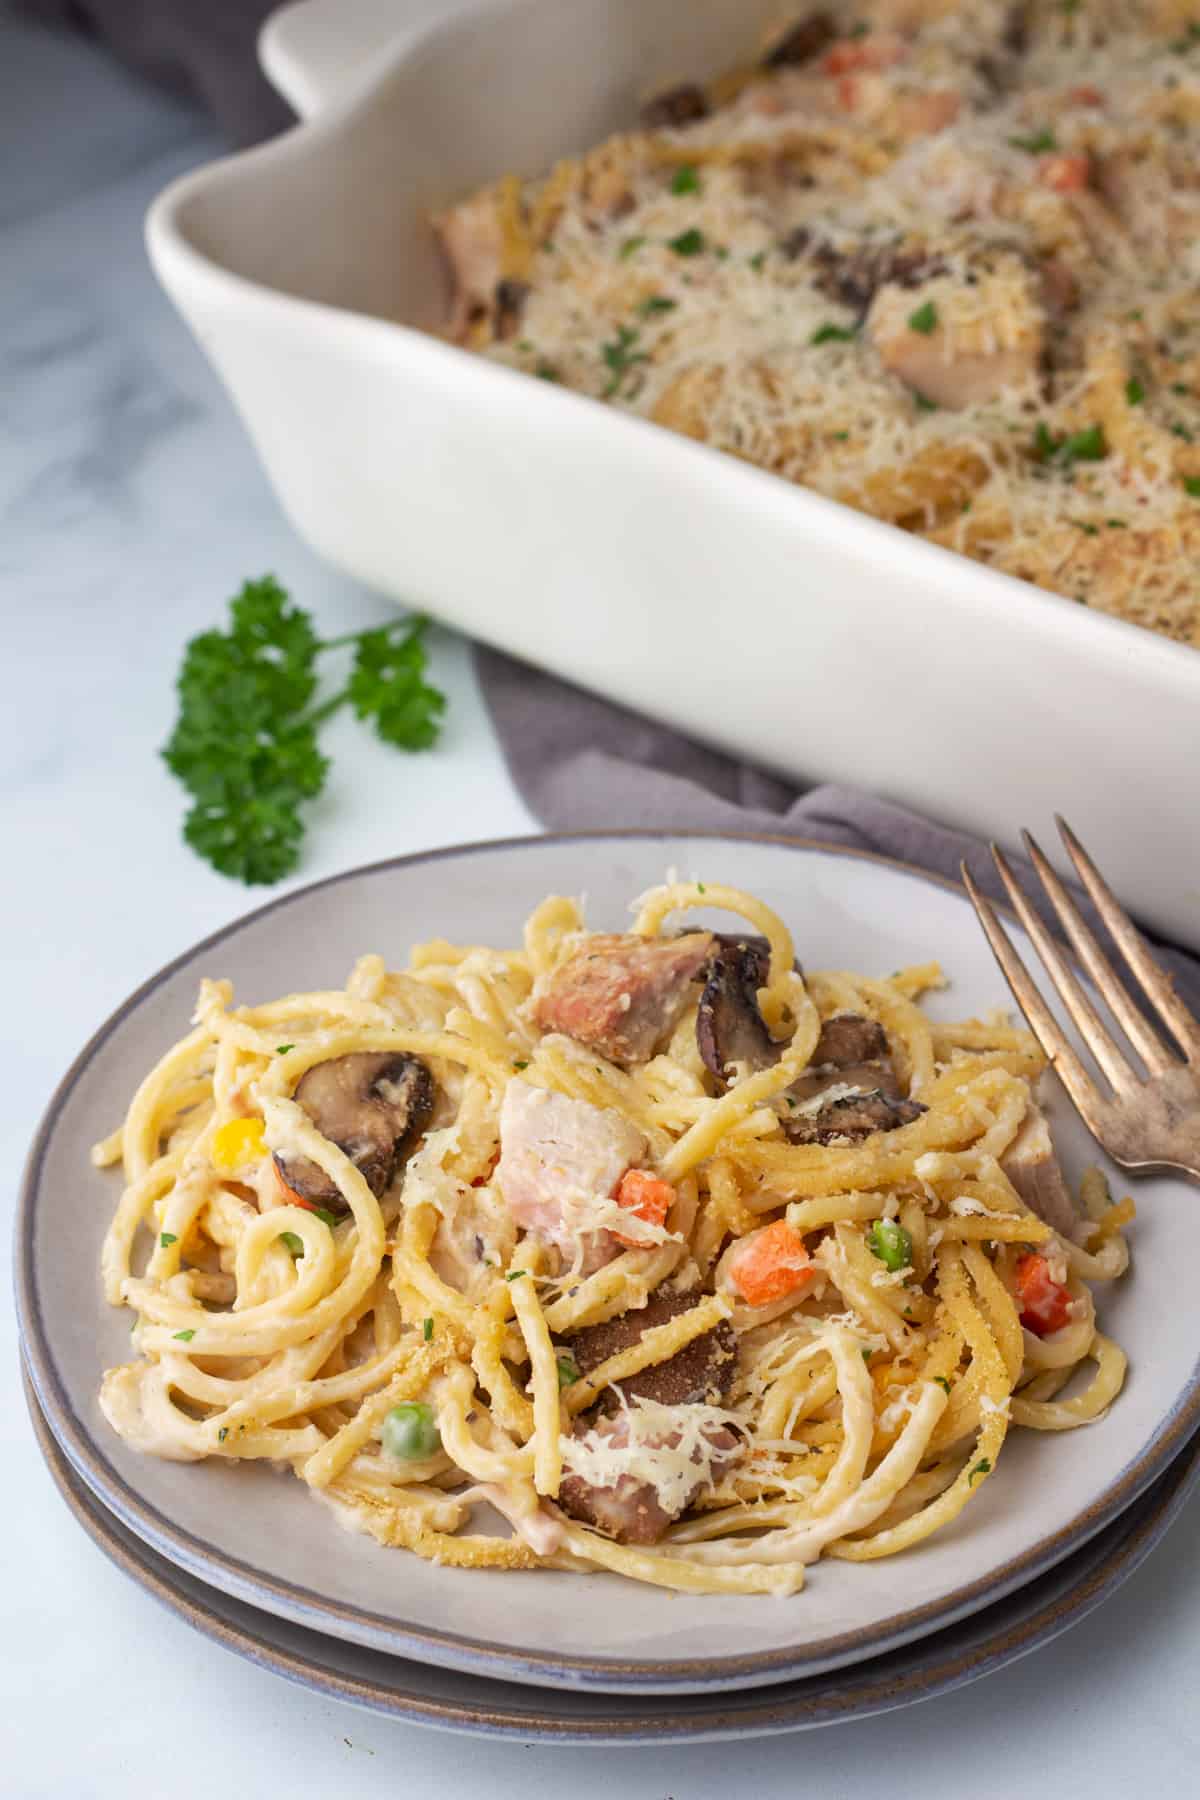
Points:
(582, 763)
(204, 49)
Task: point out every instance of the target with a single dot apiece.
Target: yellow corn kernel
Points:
(240, 1141)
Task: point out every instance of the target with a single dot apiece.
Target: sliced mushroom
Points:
(850, 1063)
(729, 1027)
(804, 40)
(681, 105)
(702, 1371)
(852, 275)
(847, 1039)
(853, 1116)
(372, 1105)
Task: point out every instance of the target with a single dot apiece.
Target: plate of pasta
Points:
(694, 1285)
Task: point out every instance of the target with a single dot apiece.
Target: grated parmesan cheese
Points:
(670, 1448)
(716, 309)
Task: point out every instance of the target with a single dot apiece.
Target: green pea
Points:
(891, 1244)
(409, 1432)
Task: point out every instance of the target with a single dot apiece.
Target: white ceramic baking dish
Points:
(763, 618)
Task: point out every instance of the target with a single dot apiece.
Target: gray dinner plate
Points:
(243, 1528)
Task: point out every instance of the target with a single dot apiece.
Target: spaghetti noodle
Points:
(691, 1266)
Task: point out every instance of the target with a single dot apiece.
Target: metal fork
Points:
(1148, 1119)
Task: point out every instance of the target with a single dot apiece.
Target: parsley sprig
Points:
(245, 741)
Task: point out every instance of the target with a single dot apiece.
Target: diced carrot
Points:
(1086, 96)
(1065, 174)
(1045, 1303)
(646, 1197)
(770, 1263)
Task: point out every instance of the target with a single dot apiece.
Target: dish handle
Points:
(315, 50)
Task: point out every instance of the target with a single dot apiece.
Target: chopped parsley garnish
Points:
(1044, 442)
(688, 243)
(832, 334)
(547, 372)
(1179, 387)
(282, 1049)
(515, 1274)
(222, 1434)
(982, 1467)
(245, 739)
(924, 319)
(568, 1370)
(757, 261)
(656, 303)
(520, 1065)
(1040, 141)
(619, 357)
(1135, 393)
(700, 888)
(686, 180)
(427, 1331)
(1188, 41)
(867, 1353)
(1068, 6)
(942, 1382)
(841, 437)
(1115, 524)
(292, 1242)
(326, 1218)
(1086, 526)
(167, 1238)
(630, 247)
(1180, 430)
(924, 403)
(1191, 485)
(185, 1337)
(1088, 445)
(891, 1244)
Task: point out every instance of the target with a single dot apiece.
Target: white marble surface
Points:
(130, 506)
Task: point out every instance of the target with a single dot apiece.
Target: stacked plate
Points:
(250, 1561)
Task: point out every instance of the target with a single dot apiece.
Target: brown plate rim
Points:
(935, 1665)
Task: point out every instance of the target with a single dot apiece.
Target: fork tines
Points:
(1154, 980)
